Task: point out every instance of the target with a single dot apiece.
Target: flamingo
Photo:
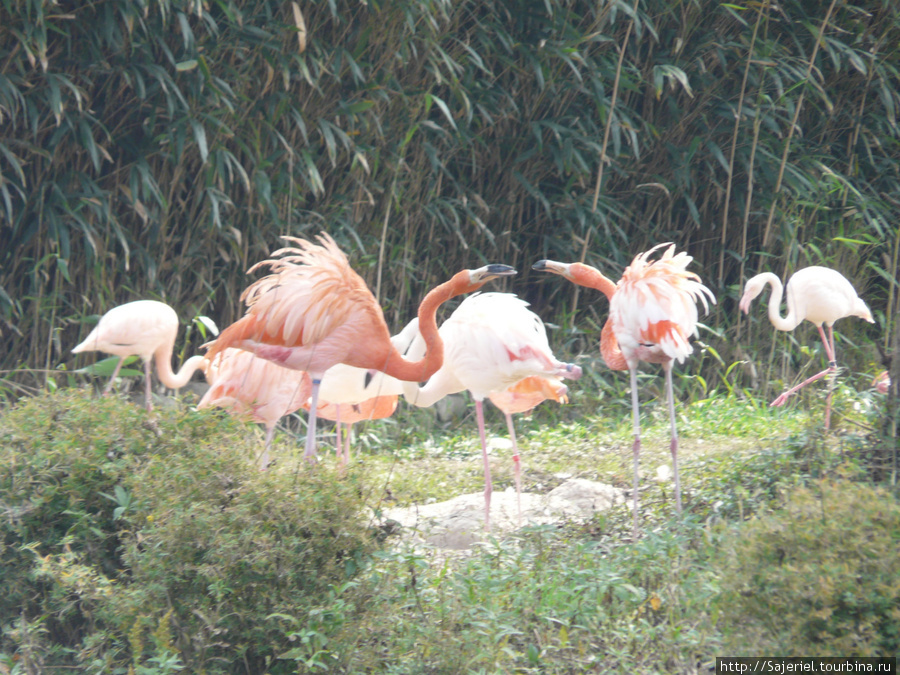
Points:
(255, 388)
(144, 328)
(817, 294)
(375, 408)
(313, 311)
(653, 312)
(524, 396)
(492, 341)
(349, 395)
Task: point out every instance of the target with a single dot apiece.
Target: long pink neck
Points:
(585, 275)
(419, 371)
(177, 380)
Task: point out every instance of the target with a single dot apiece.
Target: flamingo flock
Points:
(314, 337)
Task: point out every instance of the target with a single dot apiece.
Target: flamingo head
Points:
(560, 268)
(480, 276)
(753, 288)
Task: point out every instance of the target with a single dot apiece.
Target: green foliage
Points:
(152, 541)
(158, 150)
(819, 577)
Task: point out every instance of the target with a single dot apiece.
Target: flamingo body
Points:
(492, 341)
(144, 328)
(313, 311)
(349, 394)
(251, 387)
(653, 313)
(817, 294)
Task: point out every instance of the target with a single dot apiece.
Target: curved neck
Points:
(788, 322)
(419, 371)
(585, 275)
(609, 348)
(176, 380)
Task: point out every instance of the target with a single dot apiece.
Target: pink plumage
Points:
(259, 390)
(491, 342)
(144, 328)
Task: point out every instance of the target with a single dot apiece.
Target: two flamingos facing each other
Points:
(144, 328)
(652, 314)
(819, 295)
(313, 311)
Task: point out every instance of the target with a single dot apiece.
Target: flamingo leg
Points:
(347, 433)
(832, 367)
(264, 457)
(636, 448)
(337, 430)
(148, 401)
(310, 452)
(488, 485)
(517, 465)
(670, 393)
(109, 385)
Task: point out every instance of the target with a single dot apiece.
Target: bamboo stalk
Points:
(790, 135)
(734, 137)
(603, 159)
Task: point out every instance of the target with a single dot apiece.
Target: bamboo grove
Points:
(156, 149)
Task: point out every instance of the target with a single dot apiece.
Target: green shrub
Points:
(820, 577)
(152, 543)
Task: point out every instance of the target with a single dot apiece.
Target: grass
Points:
(575, 597)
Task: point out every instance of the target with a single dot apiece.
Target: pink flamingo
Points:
(313, 312)
(653, 312)
(349, 395)
(492, 341)
(144, 328)
(521, 397)
(375, 408)
(260, 390)
(817, 294)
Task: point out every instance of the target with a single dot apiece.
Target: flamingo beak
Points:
(551, 266)
(489, 272)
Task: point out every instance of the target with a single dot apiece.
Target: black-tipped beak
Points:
(550, 266)
(493, 271)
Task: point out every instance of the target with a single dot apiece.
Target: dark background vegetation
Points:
(158, 149)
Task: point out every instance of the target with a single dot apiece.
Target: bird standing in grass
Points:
(521, 397)
(313, 311)
(491, 341)
(653, 313)
(818, 294)
(246, 385)
(144, 328)
(349, 395)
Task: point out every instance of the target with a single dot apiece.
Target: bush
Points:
(152, 543)
(821, 577)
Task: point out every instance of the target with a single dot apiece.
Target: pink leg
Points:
(832, 367)
(148, 401)
(488, 485)
(310, 452)
(109, 384)
(636, 448)
(673, 446)
(337, 430)
(347, 433)
(264, 457)
(832, 364)
(517, 465)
